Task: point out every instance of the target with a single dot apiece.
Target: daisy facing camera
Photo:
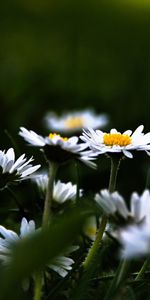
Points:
(115, 142)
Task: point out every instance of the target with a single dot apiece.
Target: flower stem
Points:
(115, 161)
(78, 188)
(123, 271)
(142, 270)
(38, 286)
(49, 194)
(96, 243)
(46, 220)
(124, 265)
(118, 278)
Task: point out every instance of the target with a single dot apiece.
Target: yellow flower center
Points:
(116, 139)
(75, 122)
(91, 231)
(53, 135)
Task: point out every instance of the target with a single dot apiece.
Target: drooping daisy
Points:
(13, 171)
(59, 149)
(60, 264)
(116, 142)
(62, 191)
(135, 241)
(113, 203)
(75, 121)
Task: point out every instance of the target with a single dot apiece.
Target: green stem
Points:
(142, 270)
(115, 161)
(16, 200)
(38, 286)
(124, 265)
(49, 194)
(46, 220)
(118, 278)
(78, 188)
(96, 243)
(123, 271)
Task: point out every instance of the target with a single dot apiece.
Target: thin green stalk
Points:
(77, 180)
(16, 200)
(117, 280)
(49, 194)
(123, 271)
(142, 270)
(46, 220)
(124, 265)
(96, 243)
(115, 161)
(38, 286)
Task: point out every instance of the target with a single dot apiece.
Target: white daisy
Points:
(135, 241)
(115, 142)
(75, 121)
(58, 148)
(60, 264)
(113, 203)
(90, 228)
(140, 206)
(9, 238)
(11, 170)
(62, 191)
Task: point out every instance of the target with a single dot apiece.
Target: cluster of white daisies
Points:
(92, 143)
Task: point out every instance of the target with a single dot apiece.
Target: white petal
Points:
(127, 153)
(30, 171)
(8, 234)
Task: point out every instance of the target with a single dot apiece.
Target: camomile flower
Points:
(116, 142)
(135, 241)
(13, 171)
(75, 121)
(62, 192)
(60, 264)
(114, 203)
(9, 238)
(90, 228)
(59, 149)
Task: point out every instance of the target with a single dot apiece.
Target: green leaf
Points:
(33, 253)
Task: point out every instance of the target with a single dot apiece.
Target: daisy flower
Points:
(13, 171)
(61, 192)
(9, 238)
(60, 264)
(90, 228)
(116, 142)
(114, 203)
(75, 121)
(59, 149)
(135, 241)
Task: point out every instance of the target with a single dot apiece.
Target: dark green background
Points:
(62, 55)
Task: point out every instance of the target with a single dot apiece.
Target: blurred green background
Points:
(62, 55)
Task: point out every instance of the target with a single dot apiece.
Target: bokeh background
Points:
(62, 55)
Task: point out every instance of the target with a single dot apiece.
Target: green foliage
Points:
(33, 253)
